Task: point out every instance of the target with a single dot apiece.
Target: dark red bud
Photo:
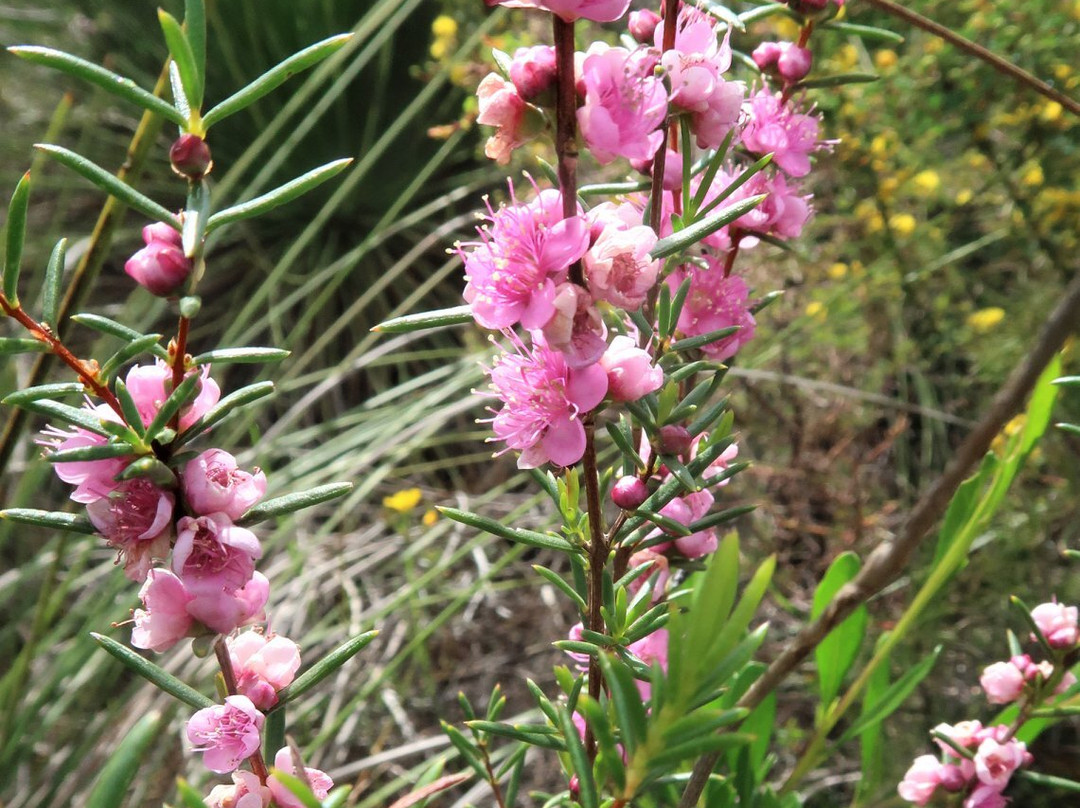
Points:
(675, 440)
(629, 492)
(190, 157)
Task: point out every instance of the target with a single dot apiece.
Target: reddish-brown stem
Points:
(733, 253)
(178, 360)
(598, 556)
(566, 125)
(221, 651)
(86, 371)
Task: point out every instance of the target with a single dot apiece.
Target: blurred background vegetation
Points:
(946, 226)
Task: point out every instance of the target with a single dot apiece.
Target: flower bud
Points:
(532, 71)
(190, 157)
(766, 55)
(643, 25)
(629, 492)
(793, 63)
(160, 266)
(675, 440)
(159, 231)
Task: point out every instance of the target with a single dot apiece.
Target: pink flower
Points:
(576, 329)
(1057, 623)
(782, 213)
(703, 542)
(517, 121)
(985, 797)
(652, 650)
(136, 519)
(164, 620)
(543, 399)
(150, 386)
(965, 734)
(533, 70)
(226, 733)
(630, 371)
(245, 792)
(523, 254)
(212, 553)
(995, 762)
(658, 575)
(714, 303)
(642, 25)
(213, 483)
(263, 665)
(921, 780)
(618, 267)
(773, 126)
(1003, 682)
(283, 762)
(570, 10)
(625, 104)
(161, 265)
(93, 479)
(794, 63)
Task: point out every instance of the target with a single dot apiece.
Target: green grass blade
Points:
(16, 234)
(119, 772)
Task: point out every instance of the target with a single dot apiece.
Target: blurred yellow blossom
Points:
(444, 27)
(927, 181)
(985, 320)
(439, 49)
(1033, 175)
(934, 46)
(1051, 111)
(837, 270)
(847, 57)
(1007, 431)
(903, 224)
(879, 146)
(816, 310)
(403, 501)
(887, 187)
(885, 59)
(431, 516)
(964, 196)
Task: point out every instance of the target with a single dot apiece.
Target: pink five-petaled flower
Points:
(213, 484)
(226, 733)
(630, 371)
(1003, 682)
(995, 762)
(773, 126)
(533, 70)
(1058, 624)
(93, 479)
(984, 796)
(161, 266)
(921, 780)
(150, 386)
(523, 255)
(164, 620)
(543, 401)
(136, 520)
(618, 267)
(263, 665)
(516, 121)
(625, 104)
(245, 792)
(570, 10)
(283, 762)
(714, 303)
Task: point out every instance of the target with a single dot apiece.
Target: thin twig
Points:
(886, 563)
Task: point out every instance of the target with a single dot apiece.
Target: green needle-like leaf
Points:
(289, 503)
(443, 318)
(274, 77)
(51, 519)
(184, 393)
(514, 534)
(54, 279)
(835, 81)
(15, 229)
(279, 196)
(677, 242)
(20, 397)
(195, 28)
(298, 788)
(111, 82)
(152, 673)
(9, 346)
(184, 57)
(137, 346)
(110, 787)
(326, 666)
(241, 398)
(110, 184)
(241, 356)
(893, 697)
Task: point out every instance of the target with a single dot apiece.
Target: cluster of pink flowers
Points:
(992, 754)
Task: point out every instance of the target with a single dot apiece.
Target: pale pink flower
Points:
(159, 267)
(1003, 682)
(160, 231)
(773, 126)
(921, 780)
(570, 10)
(263, 665)
(1058, 624)
(524, 253)
(213, 483)
(164, 620)
(517, 121)
(794, 63)
(703, 542)
(995, 762)
(245, 792)
(672, 172)
(965, 734)
(652, 650)
(150, 385)
(226, 733)
(543, 401)
(630, 371)
(580, 659)
(135, 519)
(222, 610)
(283, 762)
(93, 479)
(782, 213)
(618, 267)
(658, 575)
(625, 104)
(212, 553)
(714, 303)
(576, 329)
(533, 70)
(985, 797)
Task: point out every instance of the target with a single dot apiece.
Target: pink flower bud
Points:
(675, 440)
(160, 267)
(1003, 682)
(642, 25)
(986, 797)
(245, 792)
(1058, 624)
(533, 71)
(190, 157)
(226, 733)
(794, 63)
(629, 492)
(766, 55)
(921, 780)
(809, 6)
(213, 483)
(630, 371)
(263, 665)
(953, 778)
(159, 231)
(319, 781)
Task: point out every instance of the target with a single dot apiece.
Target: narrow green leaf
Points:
(743, 613)
(867, 32)
(242, 397)
(663, 312)
(297, 788)
(81, 454)
(176, 401)
(338, 797)
(290, 503)
(325, 666)
(560, 583)
(9, 346)
(1049, 780)
(623, 441)
(53, 285)
(613, 188)
(721, 517)
(579, 761)
(76, 416)
(191, 797)
(702, 340)
(110, 787)
(15, 229)
(50, 519)
(152, 673)
(678, 242)
(519, 535)
(137, 346)
(111, 82)
(179, 94)
(666, 523)
(761, 12)
(715, 163)
(241, 356)
(279, 196)
(533, 734)
(443, 318)
(129, 408)
(40, 391)
(196, 224)
(673, 755)
(893, 697)
(625, 697)
(962, 506)
(184, 58)
(836, 653)
(466, 748)
(677, 304)
(274, 77)
(110, 184)
(1067, 381)
(195, 28)
(106, 326)
(737, 183)
(835, 81)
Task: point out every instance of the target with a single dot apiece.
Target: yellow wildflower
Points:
(439, 49)
(1051, 112)
(927, 181)
(885, 59)
(985, 320)
(431, 516)
(1033, 175)
(816, 310)
(444, 27)
(837, 270)
(903, 224)
(964, 196)
(403, 501)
